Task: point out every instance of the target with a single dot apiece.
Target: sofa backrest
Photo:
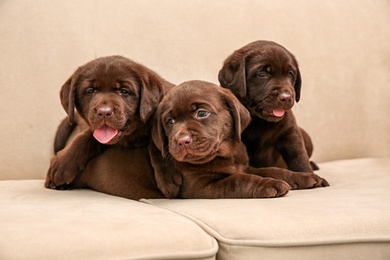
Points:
(342, 48)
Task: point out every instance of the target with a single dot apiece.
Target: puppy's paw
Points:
(303, 180)
(321, 182)
(60, 174)
(50, 185)
(272, 188)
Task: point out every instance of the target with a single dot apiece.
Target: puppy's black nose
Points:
(285, 97)
(104, 111)
(184, 140)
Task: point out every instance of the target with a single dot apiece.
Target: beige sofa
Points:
(343, 50)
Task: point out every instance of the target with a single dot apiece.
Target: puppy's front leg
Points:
(69, 162)
(223, 186)
(168, 178)
(297, 180)
(292, 148)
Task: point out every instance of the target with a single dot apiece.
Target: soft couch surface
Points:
(38, 223)
(348, 220)
(342, 47)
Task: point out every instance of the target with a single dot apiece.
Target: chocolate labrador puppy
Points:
(113, 100)
(197, 137)
(265, 77)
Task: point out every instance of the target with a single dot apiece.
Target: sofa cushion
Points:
(38, 223)
(350, 219)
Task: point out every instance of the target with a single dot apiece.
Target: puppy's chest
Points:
(255, 135)
(216, 166)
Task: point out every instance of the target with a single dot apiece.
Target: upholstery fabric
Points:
(38, 223)
(351, 218)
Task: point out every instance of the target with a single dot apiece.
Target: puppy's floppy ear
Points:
(297, 86)
(158, 133)
(233, 75)
(68, 93)
(241, 116)
(151, 94)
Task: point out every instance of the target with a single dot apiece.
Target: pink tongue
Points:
(278, 112)
(105, 134)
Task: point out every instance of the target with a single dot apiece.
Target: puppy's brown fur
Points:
(197, 130)
(266, 78)
(114, 99)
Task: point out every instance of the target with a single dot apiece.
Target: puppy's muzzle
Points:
(104, 112)
(184, 140)
(182, 146)
(285, 98)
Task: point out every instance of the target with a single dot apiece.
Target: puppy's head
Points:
(114, 95)
(265, 77)
(195, 118)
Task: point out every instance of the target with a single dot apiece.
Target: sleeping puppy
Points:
(265, 77)
(197, 142)
(113, 100)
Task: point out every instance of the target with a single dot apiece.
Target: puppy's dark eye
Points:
(170, 120)
(291, 74)
(261, 74)
(264, 72)
(90, 90)
(201, 113)
(124, 92)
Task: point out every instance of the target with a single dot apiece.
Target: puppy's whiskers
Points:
(168, 154)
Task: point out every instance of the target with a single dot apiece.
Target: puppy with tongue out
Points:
(113, 100)
(265, 77)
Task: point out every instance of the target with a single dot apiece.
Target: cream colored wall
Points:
(342, 47)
